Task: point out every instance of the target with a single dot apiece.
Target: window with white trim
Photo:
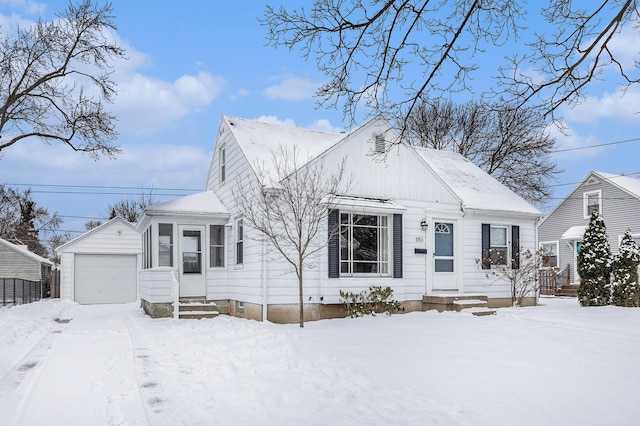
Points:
(364, 244)
(549, 254)
(239, 242)
(592, 202)
(222, 158)
(165, 244)
(499, 245)
(216, 246)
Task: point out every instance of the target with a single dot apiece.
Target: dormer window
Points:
(592, 202)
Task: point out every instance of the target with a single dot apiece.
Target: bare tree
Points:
(511, 144)
(22, 219)
(92, 224)
(522, 277)
(54, 78)
(289, 205)
(391, 54)
(129, 209)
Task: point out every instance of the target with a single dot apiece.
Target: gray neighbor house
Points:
(616, 197)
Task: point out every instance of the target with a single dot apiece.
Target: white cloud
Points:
(625, 46)
(239, 94)
(323, 125)
(272, 119)
(145, 104)
(28, 6)
(569, 143)
(622, 106)
(292, 88)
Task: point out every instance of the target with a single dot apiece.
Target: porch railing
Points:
(551, 280)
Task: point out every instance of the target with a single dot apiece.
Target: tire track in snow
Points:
(159, 409)
(17, 385)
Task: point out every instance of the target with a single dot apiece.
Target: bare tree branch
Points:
(289, 204)
(510, 144)
(390, 55)
(48, 75)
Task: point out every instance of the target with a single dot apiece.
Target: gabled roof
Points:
(625, 183)
(260, 141)
(25, 251)
(201, 203)
(474, 187)
(95, 230)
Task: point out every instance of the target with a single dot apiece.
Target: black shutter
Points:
(486, 246)
(515, 247)
(397, 246)
(334, 244)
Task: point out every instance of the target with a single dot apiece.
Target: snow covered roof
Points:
(574, 233)
(626, 183)
(366, 204)
(95, 230)
(475, 188)
(629, 184)
(259, 142)
(197, 204)
(24, 250)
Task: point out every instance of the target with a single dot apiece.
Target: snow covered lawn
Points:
(111, 365)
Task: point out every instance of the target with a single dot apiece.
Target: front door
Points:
(192, 280)
(444, 274)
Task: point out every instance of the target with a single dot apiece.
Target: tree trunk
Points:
(301, 298)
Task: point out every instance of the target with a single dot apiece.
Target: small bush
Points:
(377, 300)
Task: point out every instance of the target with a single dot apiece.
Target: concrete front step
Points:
(453, 302)
(197, 310)
(459, 305)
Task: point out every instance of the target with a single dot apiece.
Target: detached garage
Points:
(101, 265)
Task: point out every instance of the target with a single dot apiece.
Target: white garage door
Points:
(103, 278)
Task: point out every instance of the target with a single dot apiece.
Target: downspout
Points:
(264, 278)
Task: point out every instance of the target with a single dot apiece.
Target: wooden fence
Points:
(16, 291)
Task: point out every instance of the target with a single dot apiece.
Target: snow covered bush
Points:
(625, 287)
(594, 264)
(377, 300)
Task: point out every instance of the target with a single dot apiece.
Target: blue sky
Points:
(192, 63)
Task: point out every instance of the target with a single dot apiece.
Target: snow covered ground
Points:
(556, 364)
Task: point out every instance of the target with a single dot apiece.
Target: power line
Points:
(102, 187)
(596, 146)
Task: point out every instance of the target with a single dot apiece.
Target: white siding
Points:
(14, 264)
(113, 237)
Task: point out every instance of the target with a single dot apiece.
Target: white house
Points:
(438, 220)
(101, 265)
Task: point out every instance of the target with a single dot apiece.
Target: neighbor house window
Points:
(364, 244)
(216, 246)
(165, 244)
(223, 164)
(239, 242)
(592, 202)
(549, 254)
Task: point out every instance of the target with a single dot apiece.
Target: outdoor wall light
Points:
(424, 225)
